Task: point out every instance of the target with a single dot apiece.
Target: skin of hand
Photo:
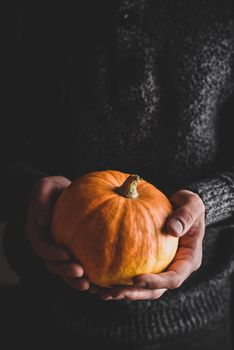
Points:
(56, 258)
(186, 222)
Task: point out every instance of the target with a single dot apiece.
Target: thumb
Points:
(180, 222)
(189, 208)
(182, 219)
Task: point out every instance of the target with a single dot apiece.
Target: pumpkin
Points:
(113, 224)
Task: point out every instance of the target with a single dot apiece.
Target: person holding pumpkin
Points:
(148, 89)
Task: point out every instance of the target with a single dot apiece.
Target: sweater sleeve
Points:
(217, 189)
(217, 193)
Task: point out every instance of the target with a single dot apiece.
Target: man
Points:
(143, 87)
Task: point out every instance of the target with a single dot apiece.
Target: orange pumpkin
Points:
(112, 223)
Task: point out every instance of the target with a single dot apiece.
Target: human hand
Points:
(56, 258)
(187, 222)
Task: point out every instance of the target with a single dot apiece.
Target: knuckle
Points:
(194, 196)
(197, 264)
(156, 294)
(176, 282)
(41, 183)
(199, 202)
(131, 297)
(60, 181)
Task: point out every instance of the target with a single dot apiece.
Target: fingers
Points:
(49, 251)
(79, 283)
(190, 208)
(185, 263)
(65, 270)
(153, 286)
(170, 279)
(45, 194)
(187, 260)
(131, 293)
(39, 216)
(42, 246)
(72, 273)
(56, 258)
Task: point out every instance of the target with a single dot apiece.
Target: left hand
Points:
(187, 222)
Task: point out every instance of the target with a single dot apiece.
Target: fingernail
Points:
(176, 226)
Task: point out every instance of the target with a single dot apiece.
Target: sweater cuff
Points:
(217, 194)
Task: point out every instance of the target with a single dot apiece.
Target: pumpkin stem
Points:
(129, 187)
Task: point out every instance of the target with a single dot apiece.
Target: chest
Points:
(144, 85)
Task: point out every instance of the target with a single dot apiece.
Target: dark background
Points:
(11, 308)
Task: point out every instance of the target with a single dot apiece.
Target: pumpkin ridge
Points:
(156, 229)
(156, 236)
(97, 176)
(99, 205)
(115, 181)
(115, 174)
(70, 237)
(142, 218)
(116, 256)
(98, 235)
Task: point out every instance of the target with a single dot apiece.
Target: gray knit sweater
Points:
(140, 86)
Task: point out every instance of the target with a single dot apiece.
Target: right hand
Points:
(56, 258)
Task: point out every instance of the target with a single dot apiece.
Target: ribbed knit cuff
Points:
(217, 193)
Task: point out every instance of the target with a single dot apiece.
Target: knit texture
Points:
(148, 89)
(199, 303)
(217, 194)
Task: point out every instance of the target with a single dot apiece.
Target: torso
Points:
(144, 90)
